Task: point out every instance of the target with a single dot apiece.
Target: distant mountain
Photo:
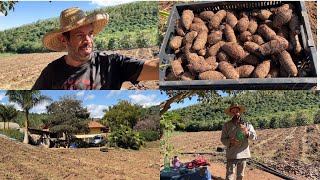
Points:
(132, 25)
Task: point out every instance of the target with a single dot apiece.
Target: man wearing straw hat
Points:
(82, 68)
(235, 135)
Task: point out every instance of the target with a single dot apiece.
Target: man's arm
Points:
(150, 70)
(225, 137)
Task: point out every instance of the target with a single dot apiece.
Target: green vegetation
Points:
(149, 135)
(125, 137)
(273, 109)
(133, 25)
(12, 133)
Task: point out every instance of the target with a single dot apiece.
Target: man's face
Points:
(80, 44)
(235, 112)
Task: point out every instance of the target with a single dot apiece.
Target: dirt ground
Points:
(293, 151)
(22, 70)
(21, 161)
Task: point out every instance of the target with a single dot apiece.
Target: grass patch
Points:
(16, 134)
(7, 54)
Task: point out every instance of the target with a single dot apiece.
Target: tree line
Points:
(274, 109)
(133, 25)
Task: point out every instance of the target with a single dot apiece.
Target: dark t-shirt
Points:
(102, 71)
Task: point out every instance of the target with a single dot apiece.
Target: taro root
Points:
(294, 40)
(245, 71)
(253, 25)
(211, 75)
(243, 23)
(177, 69)
(229, 33)
(262, 70)
(264, 14)
(294, 24)
(200, 41)
(198, 27)
(216, 19)
(212, 61)
(245, 36)
(252, 48)
(251, 59)
(266, 32)
(274, 46)
(187, 76)
(282, 16)
(273, 73)
(223, 56)
(213, 50)
(257, 39)
(176, 42)
(197, 64)
(287, 63)
(187, 18)
(179, 28)
(206, 15)
(234, 50)
(214, 37)
(231, 19)
(228, 70)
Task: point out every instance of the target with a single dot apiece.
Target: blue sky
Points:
(97, 101)
(26, 12)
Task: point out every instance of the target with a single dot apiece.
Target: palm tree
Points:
(7, 113)
(26, 99)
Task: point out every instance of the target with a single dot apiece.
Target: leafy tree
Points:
(26, 99)
(6, 6)
(123, 113)
(7, 113)
(67, 116)
(301, 119)
(274, 123)
(125, 137)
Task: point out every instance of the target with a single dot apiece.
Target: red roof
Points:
(94, 124)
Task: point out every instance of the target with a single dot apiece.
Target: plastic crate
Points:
(167, 54)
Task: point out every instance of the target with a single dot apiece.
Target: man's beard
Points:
(236, 118)
(75, 55)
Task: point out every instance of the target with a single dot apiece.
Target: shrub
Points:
(274, 123)
(125, 137)
(301, 119)
(263, 123)
(317, 117)
(150, 135)
(16, 134)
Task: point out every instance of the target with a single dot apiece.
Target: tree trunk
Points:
(26, 138)
(4, 124)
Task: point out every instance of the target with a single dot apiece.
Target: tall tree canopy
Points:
(26, 99)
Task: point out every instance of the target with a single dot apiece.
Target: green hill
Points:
(132, 25)
(273, 110)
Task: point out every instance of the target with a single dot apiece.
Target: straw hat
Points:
(70, 19)
(227, 110)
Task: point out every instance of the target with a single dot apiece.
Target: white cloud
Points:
(96, 110)
(2, 95)
(102, 3)
(15, 105)
(113, 93)
(89, 97)
(1, 14)
(144, 100)
(41, 108)
(80, 94)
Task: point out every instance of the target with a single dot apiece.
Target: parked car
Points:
(98, 140)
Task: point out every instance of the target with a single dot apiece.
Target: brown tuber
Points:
(245, 71)
(234, 50)
(206, 15)
(243, 23)
(186, 76)
(197, 64)
(200, 41)
(216, 19)
(223, 56)
(177, 69)
(266, 32)
(275, 46)
(252, 48)
(214, 37)
(231, 19)
(283, 16)
(229, 34)
(213, 50)
(257, 39)
(245, 36)
(262, 70)
(179, 28)
(228, 70)
(253, 25)
(187, 18)
(176, 42)
(287, 63)
(211, 75)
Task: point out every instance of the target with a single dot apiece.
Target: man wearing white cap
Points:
(235, 135)
(82, 68)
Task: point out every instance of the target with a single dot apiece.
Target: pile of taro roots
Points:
(263, 43)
